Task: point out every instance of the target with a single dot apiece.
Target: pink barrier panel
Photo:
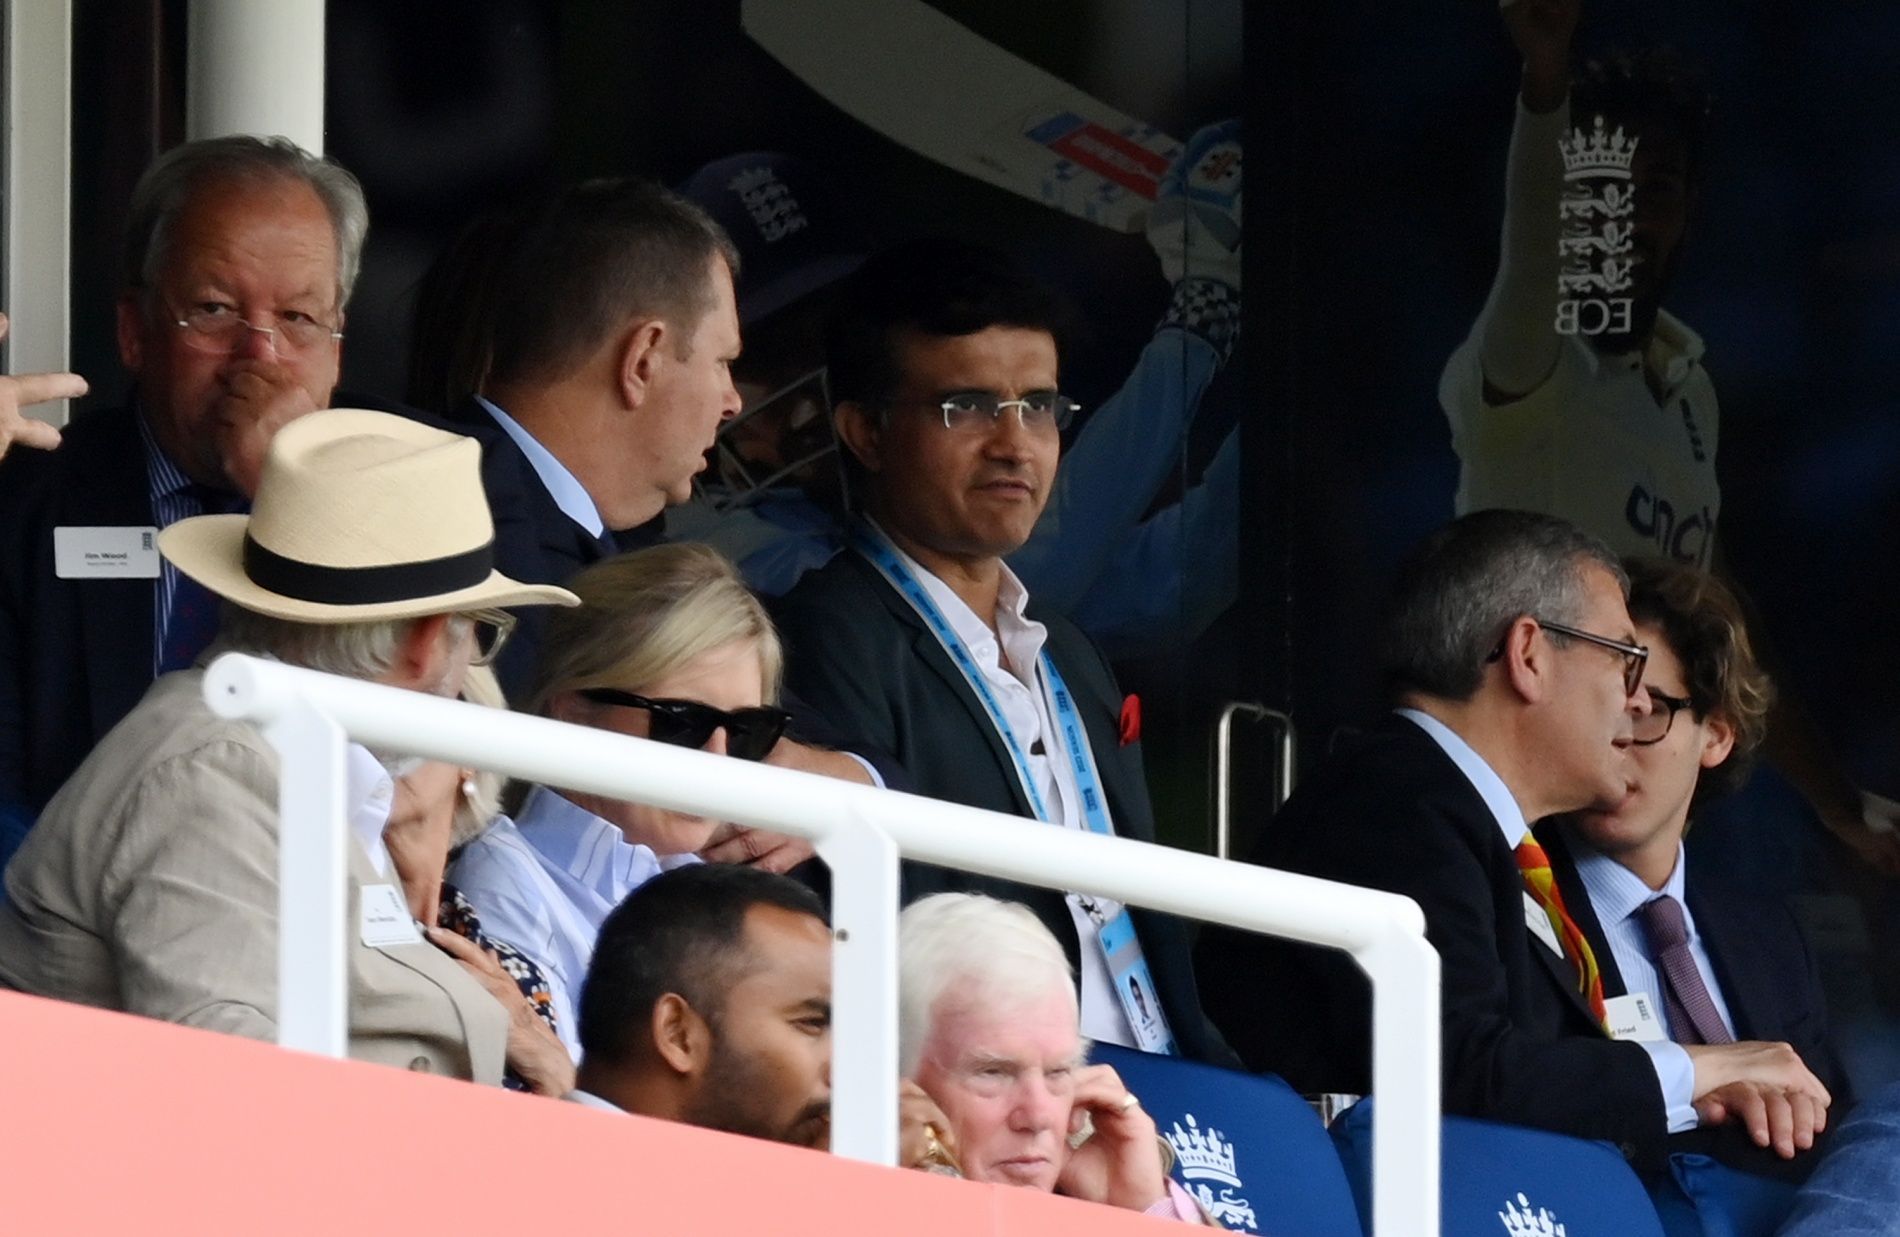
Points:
(115, 1124)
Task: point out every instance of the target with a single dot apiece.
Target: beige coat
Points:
(150, 885)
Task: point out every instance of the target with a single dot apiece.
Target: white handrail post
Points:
(1405, 1078)
(255, 68)
(312, 883)
(864, 895)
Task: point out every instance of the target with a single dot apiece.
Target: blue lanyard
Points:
(876, 548)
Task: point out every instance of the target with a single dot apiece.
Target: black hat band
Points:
(361, 586)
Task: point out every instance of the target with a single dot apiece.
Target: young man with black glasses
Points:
(1516, 673)
(1707, 964)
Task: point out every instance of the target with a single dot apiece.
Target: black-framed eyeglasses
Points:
(217, 329)
(750, 733)
(1635, 656)
(972, 412)
(492, 629)
(1653, 727)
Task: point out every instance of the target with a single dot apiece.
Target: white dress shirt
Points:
(545, 883)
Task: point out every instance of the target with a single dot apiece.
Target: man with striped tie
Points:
(1511, 657)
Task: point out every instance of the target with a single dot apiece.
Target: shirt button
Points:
(420, 1065)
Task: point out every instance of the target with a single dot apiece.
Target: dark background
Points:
(1376, 135)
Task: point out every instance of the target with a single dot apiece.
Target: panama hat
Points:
(360, 516)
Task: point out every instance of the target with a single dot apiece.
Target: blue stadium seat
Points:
(1246, 1145)
(1507, 1179)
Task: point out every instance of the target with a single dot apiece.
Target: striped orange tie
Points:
(1534, 865)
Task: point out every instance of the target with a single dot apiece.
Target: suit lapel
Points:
(1753, 994)
(117, 624)
(931, 652)
(433, 966)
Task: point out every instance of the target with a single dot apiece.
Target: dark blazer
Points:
(859, 654)
(1391, 811)
(543, 545)
(1769, 982)
(75, 655)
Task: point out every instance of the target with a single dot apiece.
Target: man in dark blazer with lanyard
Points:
(1715, 964)
(240, 256)
(944, 370)
(589, 338)
(1510, 653)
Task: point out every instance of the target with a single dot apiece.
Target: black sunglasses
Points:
(750, 733)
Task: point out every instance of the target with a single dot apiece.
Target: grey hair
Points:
(1459, 592)
(175, 176)
(352, 650)
(990, 952)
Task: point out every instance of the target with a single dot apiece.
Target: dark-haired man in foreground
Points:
(708, 1001)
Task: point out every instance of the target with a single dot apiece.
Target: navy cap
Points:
(795, 231)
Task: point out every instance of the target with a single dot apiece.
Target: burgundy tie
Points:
(1692, 1013)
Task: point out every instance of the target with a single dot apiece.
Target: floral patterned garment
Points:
(457, 915)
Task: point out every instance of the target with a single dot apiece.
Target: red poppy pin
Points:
(1131, 719)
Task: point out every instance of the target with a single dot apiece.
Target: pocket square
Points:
(1131, 719)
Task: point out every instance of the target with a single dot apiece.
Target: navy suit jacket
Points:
(75, 655)
(1769, 982)
(858, 652)
(545, 545)
(1391, 811)
(548, 547)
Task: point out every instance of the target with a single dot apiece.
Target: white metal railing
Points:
(859, 832)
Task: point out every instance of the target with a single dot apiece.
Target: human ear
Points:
(1525, 659)
(131, 325)
(681, 1037)
(858, 428)
(1718, 740)
(639, 359)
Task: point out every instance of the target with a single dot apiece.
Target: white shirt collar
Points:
(1012, 604)
(562, 486)
(590, 1100)
(371, 794)
(1616, 892)
(1483, 778)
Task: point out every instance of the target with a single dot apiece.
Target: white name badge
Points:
(386, 919)
(1634, 1017)
(1538, 921)
(101, 553)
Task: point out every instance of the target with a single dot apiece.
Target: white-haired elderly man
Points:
(150, 883)
(990, 1031)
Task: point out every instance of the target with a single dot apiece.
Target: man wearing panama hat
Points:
(150, 883)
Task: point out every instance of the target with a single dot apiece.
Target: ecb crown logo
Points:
(1205, 1157)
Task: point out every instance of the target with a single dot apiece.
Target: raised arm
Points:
(1519, 344)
